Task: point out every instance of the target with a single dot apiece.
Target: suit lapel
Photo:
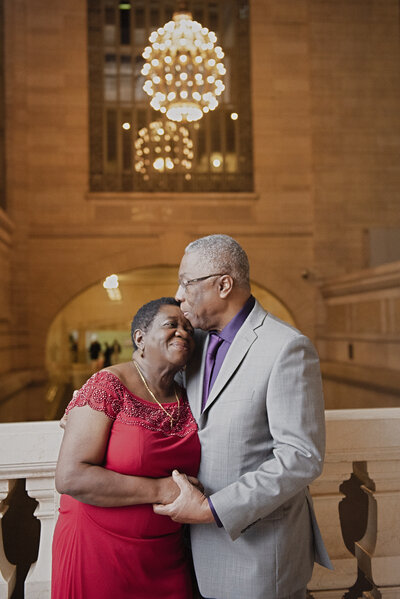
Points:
(242, 342)
(195, 375)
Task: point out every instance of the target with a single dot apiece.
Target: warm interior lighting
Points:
(184, 69)
(111, 285)
(126, 126)
(216, 161)
(111, 282)
(158, 164)
(234, 116)
(163, 146)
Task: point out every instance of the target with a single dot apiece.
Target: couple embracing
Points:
(217, 422)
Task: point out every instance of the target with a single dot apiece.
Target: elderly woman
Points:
(128, 428)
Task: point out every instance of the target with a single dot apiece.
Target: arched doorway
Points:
(93, 315)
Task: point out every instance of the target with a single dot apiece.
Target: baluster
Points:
(7, 571)
(378, 552)
(332, 584)
(38, 580)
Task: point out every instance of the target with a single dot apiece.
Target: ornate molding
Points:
(172, 197)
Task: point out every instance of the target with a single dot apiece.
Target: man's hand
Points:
(168, 489)
(190, 507)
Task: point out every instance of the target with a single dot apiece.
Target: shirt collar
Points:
(229, 331)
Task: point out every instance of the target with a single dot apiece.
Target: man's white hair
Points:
(224, 255)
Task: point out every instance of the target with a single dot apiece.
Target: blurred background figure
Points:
(94, 354)
(73, 348)
(107, 353)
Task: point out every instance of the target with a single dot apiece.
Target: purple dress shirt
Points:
(227, 335)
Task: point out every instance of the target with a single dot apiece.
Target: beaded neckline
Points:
(147, 401)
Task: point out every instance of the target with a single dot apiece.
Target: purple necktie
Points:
(213, 345)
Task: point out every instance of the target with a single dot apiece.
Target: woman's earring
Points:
(142, 352)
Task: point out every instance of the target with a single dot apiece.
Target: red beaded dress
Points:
(127, 552)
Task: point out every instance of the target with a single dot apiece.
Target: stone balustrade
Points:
(29, 450)
(360, 485)
(361, 474)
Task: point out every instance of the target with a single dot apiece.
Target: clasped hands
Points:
(190, 506)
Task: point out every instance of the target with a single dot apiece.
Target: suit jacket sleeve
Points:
(295, 412)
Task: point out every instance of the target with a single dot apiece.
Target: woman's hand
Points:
(196, 483)
(168, 490)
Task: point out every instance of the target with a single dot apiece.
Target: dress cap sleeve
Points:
(100, 393)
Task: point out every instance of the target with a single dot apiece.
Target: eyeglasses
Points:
(186, 284)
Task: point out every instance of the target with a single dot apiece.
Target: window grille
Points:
(119, 108)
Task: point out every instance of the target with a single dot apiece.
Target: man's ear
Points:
(225, 286)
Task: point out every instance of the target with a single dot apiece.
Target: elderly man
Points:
(254, 387)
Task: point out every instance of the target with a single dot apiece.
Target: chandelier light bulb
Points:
(184, 60)
(158, 164)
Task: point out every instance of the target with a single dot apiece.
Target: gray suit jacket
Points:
(262, 436)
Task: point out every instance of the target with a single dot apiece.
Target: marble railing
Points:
(29, 450)
(357, 500)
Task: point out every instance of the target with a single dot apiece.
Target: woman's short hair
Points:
(225, 255)
(144, 317)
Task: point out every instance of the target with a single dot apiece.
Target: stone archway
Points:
(92, 313)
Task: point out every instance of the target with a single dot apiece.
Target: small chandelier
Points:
(183, 69)
(163, 146)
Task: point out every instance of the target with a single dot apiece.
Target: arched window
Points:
(119, 108)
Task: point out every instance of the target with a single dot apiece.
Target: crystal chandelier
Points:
(163, 146)
(183, 69)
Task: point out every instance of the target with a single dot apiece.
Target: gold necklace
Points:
(171, 418)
